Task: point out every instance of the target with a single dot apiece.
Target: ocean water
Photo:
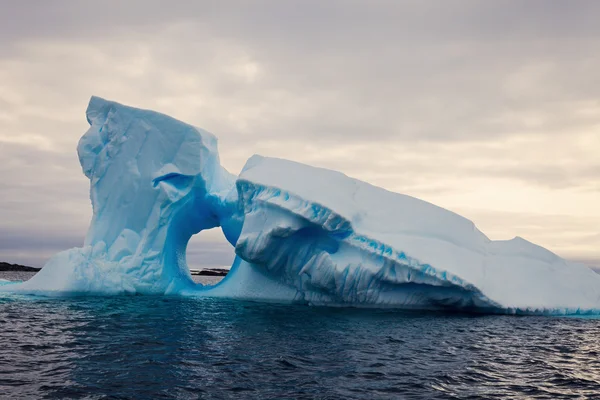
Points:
(141, 347)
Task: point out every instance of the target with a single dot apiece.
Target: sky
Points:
(489, 109)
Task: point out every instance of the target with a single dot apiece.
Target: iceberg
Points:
(301, 234)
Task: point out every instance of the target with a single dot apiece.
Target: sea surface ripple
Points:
(162, 348)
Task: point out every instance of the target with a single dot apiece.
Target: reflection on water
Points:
(152, 347)
(161, 347)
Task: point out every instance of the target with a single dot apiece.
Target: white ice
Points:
(301, 234)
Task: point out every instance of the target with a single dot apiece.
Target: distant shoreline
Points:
(4, 266)
(209, 271)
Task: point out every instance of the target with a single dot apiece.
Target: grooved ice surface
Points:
(301, 234)
(346, 242)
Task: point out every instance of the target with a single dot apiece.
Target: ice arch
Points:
(301, 234)
(154, 182)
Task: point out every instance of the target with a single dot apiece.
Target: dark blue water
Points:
(155, 347)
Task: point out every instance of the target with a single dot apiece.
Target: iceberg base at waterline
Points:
(301, 234)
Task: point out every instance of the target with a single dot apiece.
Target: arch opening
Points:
(209, 256)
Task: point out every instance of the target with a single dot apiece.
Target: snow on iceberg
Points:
(301, 234)
(335, 240)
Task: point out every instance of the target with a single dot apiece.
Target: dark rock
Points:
(16, 267)
(210, 272)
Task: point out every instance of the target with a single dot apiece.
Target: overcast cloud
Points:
(490, 109)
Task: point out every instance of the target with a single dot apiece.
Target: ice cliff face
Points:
(154, 182)
(334, 240)
(301, 234)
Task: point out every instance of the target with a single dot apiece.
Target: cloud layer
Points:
(489, 109)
